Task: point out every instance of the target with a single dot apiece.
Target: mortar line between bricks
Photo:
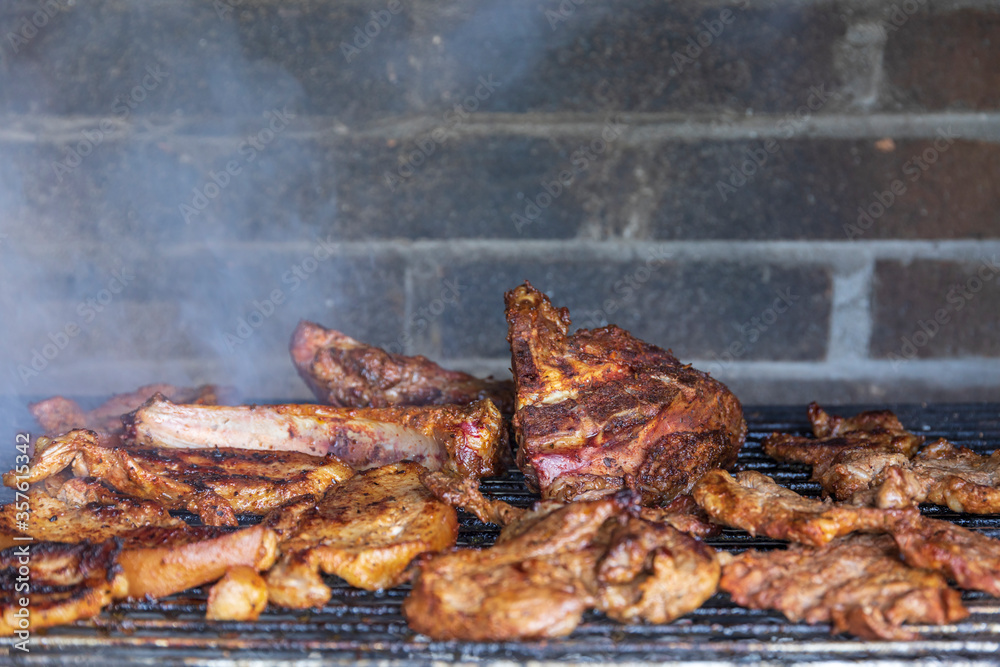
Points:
(850, 311)
(641, 129)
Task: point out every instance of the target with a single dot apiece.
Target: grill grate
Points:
(362, 626)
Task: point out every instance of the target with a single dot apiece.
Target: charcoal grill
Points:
(360, 626)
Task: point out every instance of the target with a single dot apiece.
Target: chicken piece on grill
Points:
(944, 474)
(215, 484)
(856, 583)
(465, 439)
(752, 501)
(969, 558)
(556, 562)
(344, 372)
(601, 410)
(366, 531)
(241, 595)
(82, 509)
(65, 582)
(58, 415)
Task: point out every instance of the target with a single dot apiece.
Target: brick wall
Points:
(797, 196)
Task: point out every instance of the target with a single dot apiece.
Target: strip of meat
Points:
(970, 559)
(540, 579)
(67, 582)
(344, 372)
(58, 415)
(366, 532)
(856, 583)
(944, 474)
(875, 430)
(214, 484)
(463, 439)
(684, 514)
(464, 492)
(83, 509)
(241, 595)
(752, 501)
(600, 410)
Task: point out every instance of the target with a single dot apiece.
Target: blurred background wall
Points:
(799, 197)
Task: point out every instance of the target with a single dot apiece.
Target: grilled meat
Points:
(465, 439)
(969, 558)
(756, 504)
(241, 595)
(67, 582)
(684, 514)
(344, 372)
(856, 583)
(554, 563)
(214, 484)
(601, 410)
(58, 415)
(944, 474)
(366, 531)
(82, 509)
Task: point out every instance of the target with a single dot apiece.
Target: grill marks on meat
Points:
(365, 531)
(856, 583)
(554, 563)
(601, 410)
(752, 501)
(465, 439)
(214, 484)
(347, 373)
(58, 415)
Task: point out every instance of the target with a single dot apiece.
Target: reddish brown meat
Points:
(347, 373)
(601, 410)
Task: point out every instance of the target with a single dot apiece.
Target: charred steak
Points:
(601, 410)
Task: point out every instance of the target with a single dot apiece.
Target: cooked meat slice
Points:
(83, 509)
(970, 559)
(872, 431)
(214, 484)
(156, 562)
(752, 501)
(366, 532)
(684, 514)
(241, 595)
(856, 583)
(555, 563)
(856, 475)
(463, 439)
(344, 372)
(464, 492)
(602, 410)
(944, 474)
(58, 415)
(66, 582)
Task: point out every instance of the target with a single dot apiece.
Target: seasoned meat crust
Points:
(856, 583)
(347, 373)
(366, 532)
(944, 474)
(556, 562)
(601, 410)
(215, 484)
(468, 439)
(756, 504)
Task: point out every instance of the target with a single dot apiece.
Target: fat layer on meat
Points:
(601, 410)
(366, 532)
(552, 564)
(464, 439)
(755, 503)
(855, 583)
(214, 484)
(344, 372)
